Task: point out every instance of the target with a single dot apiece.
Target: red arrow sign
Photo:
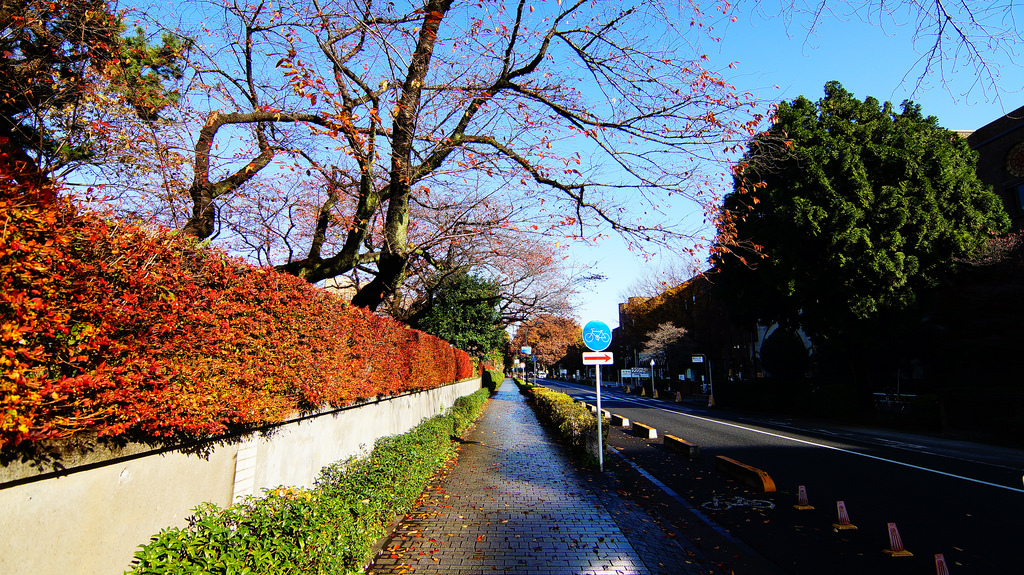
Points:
(597, 358)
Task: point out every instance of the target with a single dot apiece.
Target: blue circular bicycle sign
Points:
(597, 336)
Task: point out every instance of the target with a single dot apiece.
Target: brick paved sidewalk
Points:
(513, 503)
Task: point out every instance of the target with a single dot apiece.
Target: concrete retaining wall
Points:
(91, 517)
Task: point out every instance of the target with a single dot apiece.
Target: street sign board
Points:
(526, 350)
(636, 372)
(598, 358)
(597, 336)
(697, 359)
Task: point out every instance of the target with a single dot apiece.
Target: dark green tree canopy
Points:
(463, 309)
(845, 211)
(53, 54)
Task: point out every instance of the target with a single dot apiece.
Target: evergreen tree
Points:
(852, 212)
(53, 55)
(464, 311)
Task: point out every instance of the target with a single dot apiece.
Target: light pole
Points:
(654, 390)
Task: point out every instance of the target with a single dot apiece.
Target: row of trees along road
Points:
(845, 217)
(552, 339)
(384, 141)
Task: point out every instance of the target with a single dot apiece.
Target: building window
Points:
(1015, 160)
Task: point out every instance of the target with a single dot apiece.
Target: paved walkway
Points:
(513, 503)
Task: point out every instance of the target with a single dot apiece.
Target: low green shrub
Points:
(493, 379)
(574, 423)
(524, 386)
(331, 528)
(466, 409)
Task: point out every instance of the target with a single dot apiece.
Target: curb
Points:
(644, 431)
(752, 476)
(682, 446)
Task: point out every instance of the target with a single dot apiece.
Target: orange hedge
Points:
(116, 329)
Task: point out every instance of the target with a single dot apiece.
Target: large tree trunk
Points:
(203, 220)
(394, 258)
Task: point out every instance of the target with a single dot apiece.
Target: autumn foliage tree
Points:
(401, 128)
(407, 129)
(662, 339)
(550, 337)
(532, 276)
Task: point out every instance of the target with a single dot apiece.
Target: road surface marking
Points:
(841, 450)
(832, 447)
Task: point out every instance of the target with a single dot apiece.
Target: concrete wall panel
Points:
(90, 519)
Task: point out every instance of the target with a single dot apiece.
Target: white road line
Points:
(832, 447)
(841, 450)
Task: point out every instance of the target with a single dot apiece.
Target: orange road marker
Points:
(940, 565)
(801, 499)
(844, 517)
(896, 544)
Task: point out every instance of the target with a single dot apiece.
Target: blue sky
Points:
(867, 59)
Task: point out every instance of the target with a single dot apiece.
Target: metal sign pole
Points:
(600, 434)
(597, 336)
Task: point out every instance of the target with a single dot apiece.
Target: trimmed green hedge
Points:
(331, 528)
(575, 424)
(493, 379)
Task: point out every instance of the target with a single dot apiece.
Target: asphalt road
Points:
(959, 499)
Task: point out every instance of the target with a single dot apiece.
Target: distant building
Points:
(711, 331)
(1000, 145)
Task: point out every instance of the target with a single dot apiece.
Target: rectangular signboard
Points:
(636, 372)
(597, 358)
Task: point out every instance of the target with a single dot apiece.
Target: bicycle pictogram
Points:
(597, 336)
(723, 503)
